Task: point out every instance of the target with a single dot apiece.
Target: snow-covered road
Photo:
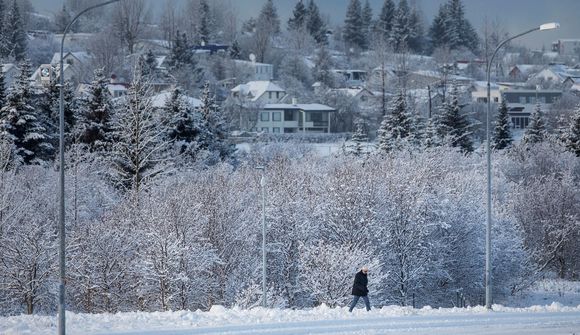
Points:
(550, 320)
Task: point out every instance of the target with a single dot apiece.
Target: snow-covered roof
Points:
(82, 56)
(353, 92)
(525, 68)
(494, 86)
(247, 62)
(116, 87)
(255, 89)
(160, 100)
(304, 107)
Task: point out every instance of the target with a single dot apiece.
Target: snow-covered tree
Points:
(359, 137)
(204, 29)
(367, 22)
(502, 137)
(15, 40)
(353, 25)
(299, 16)
(322, 66)
(2, 86)
(453, 126)
(315, 24)
(138, 148)
(396, 128)
(571, 138)
(451, 28)
(215, 136)
(22, 123)
(536, 131)
(384, 24)
(401, 32)
(94, 123)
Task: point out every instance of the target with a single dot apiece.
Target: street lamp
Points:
(61, 225)
(545, 26)
(263, 187)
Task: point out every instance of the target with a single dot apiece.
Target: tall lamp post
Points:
(61, 225)
(546, 26)
(263, 187)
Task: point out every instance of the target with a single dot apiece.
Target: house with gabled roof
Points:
(260, 91)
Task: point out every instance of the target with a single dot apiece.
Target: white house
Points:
(260, 71)
(258, 92)
(521, 104)
(479, 92)
(294, 118)
(76, 65)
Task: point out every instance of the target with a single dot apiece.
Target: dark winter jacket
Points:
(359, 287)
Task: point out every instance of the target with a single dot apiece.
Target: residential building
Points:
(258, 92)
(521, 104)
(479, 92)
(569, 47)
(521, 72)
(259, 71)
(294, 118)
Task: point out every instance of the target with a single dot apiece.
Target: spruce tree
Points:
(451, 28)
(3, 31)
(269, 15)
(431, 136)
(215, 136)
(384, 24)
(322, 67)
(182, 125)
(150, 68)
(416, 39)
(502, 137)
(536, 131)
(138, 148)
(15, 36)
(367, 19)
(353, 34)
(397, 126)
(95, 128)
(400, 33)
(454, 126)
(21, 123)
(571, 138)
(315, 25)
(181, 53)
(204, 29)
(358, 138)
(299, 16)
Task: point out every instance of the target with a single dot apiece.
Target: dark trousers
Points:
(355, 301)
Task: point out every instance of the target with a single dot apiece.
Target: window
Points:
(277, 95)
(269, 95)
(276, 130)
(289, 115)
(265, 116)
(277, 116)
(265, 129)
(496, 99)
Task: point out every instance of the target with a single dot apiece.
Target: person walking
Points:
(359, 289)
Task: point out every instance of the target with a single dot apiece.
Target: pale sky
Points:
(515, 15)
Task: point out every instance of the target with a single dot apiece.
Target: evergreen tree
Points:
(315, 25)
(299, 16)
(502, 137)
(182, 125)
(454, 126)
(15, 36)
(358, 138)
(95, 127)
(416, 40)
(322, 67)
(431, 137)
(536, 131)
(571, 138)
(234, 50)
(452, 29)
(269, 15)
(215, 137)
(3, 32)
(204, 29)
(62, 19)
(384, 24)
(367, 19)
(150, 67)
(181, 53)
(21, 124)
(401, 30)
(397, 126)
(353, 33)
(138, 148)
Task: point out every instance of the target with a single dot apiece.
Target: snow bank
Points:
(220, 316)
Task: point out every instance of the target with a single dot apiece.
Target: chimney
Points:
(294, 101)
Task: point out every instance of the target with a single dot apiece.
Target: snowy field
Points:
(554, 319)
